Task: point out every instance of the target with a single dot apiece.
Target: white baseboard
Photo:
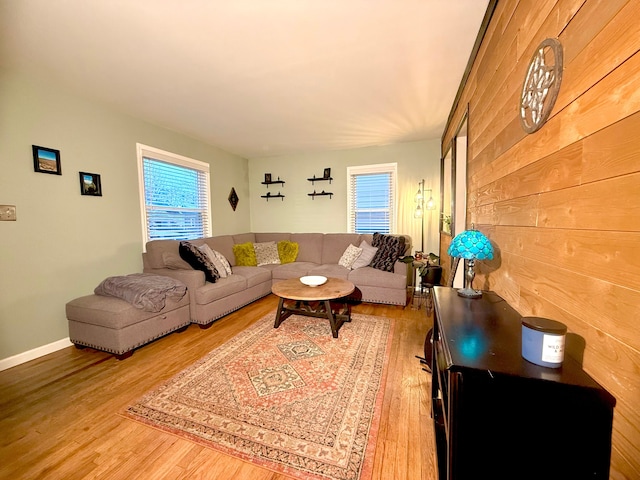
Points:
(25, 357)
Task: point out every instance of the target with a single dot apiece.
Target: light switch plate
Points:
(8, 213)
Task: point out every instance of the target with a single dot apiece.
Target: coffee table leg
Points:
(332, 319)
(279, 313)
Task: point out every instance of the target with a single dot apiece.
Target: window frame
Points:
(146, 151)
(391, 168)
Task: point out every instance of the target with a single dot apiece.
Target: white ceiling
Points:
(255, 77)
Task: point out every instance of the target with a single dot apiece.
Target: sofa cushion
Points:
(253, 275)
(272, 237)
(266, 253)
(223, 244)
(245, 255)
(365, 258)
(174, 262)
(244, 238)
(310, 247)
(155, 250)
(292, 270)
(349, 256)
(390, 249)
(198, 260)
(334, 245)
(222, 288)
(287, 251)
(332, 270)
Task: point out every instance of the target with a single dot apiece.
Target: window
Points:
(371, 198)
(174, 195)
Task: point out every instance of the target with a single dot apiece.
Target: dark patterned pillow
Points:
(390, 249)
(198, 260)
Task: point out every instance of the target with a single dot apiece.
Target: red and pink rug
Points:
(292, 399)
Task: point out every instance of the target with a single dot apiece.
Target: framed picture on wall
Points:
(46, 160)
(90, 184)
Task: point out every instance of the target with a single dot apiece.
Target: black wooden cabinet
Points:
(498, 416)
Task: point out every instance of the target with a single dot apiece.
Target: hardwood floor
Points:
(60, 420)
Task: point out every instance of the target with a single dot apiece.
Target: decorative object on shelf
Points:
(541, 85)
(233, 199)
(313, 280)
(471, 245)
(90, 184)
(46, 160)
(268, 196)
(321, 194)
(421, 205)
(326, 176)
(268, 181)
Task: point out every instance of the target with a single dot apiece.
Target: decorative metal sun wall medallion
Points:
(541, 85)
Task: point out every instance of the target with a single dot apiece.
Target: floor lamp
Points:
(421, 205)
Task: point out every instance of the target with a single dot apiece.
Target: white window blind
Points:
(174, 195)
(372, 198)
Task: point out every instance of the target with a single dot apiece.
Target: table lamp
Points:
(471, 245)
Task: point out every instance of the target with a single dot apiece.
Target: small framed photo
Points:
(46, 160)
(90, 184)
(327, 173)
(267, 178)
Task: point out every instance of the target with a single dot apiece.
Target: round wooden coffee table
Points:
(298, 298)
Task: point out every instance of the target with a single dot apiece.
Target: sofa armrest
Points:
(405, 269)
(193, 279)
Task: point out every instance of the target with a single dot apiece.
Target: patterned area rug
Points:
(292, 399)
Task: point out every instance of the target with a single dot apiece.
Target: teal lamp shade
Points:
(471, 245)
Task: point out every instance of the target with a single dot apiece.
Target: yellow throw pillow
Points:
(287, 251)
(245, 255)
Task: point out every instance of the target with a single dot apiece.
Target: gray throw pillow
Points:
(368, 252)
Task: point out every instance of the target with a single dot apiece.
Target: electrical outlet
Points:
(8, 213)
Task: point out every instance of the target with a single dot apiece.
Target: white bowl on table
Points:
(313, 280)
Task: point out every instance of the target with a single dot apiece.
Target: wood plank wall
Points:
(562, 205)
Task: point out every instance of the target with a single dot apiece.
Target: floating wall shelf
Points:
(268, 196)
(281, 182)
(320, 179)
(321, 194)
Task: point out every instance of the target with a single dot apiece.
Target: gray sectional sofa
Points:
(318, 254)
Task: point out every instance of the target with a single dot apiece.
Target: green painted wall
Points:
(298, 212)
(63, 244)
